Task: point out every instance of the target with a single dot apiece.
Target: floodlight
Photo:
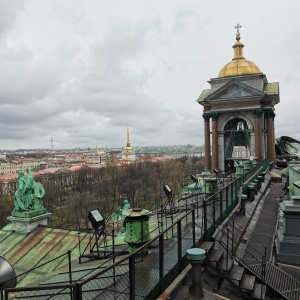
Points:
(194, 178)
(216, 171)
(167, 191)
(96, 219)
(7, 274)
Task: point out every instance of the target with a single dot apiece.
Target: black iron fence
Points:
(218, 207)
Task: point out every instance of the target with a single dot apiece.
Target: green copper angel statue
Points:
(29, 193)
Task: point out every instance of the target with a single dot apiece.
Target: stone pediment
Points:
(234, 90)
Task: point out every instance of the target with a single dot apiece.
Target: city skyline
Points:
(84, 71)
(88, 148)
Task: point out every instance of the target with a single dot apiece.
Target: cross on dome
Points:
(237, 27)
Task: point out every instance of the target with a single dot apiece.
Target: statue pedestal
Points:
(27, 224)
(29, 214)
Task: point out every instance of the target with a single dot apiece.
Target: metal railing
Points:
(135, 276)
(19, 277)
(217, 207)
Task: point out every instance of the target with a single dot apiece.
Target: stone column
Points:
(214, 140)
(258, 149)
(273, 136)
(270, 135)
(206, 118)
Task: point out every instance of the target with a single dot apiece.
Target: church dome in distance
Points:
(239, 65)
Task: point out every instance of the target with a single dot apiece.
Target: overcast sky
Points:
(85, 69)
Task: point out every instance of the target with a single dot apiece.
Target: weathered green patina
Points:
(27, 198)
(125, 208)
(137, 228)
(203, 95)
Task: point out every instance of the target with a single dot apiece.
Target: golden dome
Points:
(239, 65)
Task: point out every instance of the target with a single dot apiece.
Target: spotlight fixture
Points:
(167, 191)
(8, 277)
(216, 171)
(194, 178)
(96, 219)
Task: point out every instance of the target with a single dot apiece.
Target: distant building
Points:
(128, 153)
(99, 155)
(20, 164)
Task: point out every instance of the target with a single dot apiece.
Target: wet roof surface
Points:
(26, 251)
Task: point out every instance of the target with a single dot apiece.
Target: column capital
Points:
(257, 113)
(214, 116)
(206, 117)
(269, 114)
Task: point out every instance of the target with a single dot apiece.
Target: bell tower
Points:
(238, 113)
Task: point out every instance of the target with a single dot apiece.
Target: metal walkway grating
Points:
(266, 225)
(261, 243)
(283, 283)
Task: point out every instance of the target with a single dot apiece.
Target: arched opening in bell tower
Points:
(237, 141)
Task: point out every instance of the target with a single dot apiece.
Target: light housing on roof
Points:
(96, 219)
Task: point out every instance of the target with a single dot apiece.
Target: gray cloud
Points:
(83, 72)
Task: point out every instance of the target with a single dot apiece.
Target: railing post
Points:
(179, 241)
(236, 192)
(214, 211)
(232, 237)
(186, 208)
(79, 246)
(227, 250)
(221, 206)
(194, 226)
(227, 210)
(161, 262)
(231, 198)
(205, 218)
(70, 272)
(77, 292)
(132, 276)
(263, 274)
(161, 218)
(70, 268)
(114, 256)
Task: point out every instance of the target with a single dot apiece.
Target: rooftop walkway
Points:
(253, 241)
(264, 234)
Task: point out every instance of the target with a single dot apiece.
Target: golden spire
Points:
(238, 46)
(128, 138)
